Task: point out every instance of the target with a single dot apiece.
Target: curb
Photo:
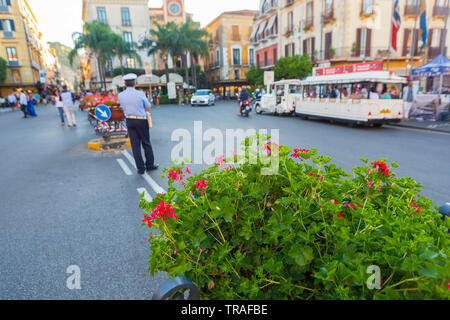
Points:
(420, 128)
(98, 145)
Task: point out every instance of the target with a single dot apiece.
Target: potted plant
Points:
(308, 231)
(354, 49)
(331, 52)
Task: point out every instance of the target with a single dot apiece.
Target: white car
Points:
(203, 98)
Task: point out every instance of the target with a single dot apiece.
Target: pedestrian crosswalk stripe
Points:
(147, 196)
(153, 184)
(124, 167)
(157, 188)
(130, 158)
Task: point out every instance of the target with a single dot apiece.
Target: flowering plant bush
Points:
(92, 102)
(309, 232)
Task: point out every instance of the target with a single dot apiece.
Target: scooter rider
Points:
(242, 98)
(258, 94)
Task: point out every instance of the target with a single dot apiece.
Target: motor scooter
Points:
(245, 108)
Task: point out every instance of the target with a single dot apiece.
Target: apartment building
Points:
(129, 18)
(340, 32)
(266, 33)
(32, 65)
(231, 53)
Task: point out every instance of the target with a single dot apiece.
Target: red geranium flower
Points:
(200, 185)
(301, 154)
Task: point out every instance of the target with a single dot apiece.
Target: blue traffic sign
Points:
(103, 112)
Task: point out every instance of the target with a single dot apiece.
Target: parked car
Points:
(203, 97)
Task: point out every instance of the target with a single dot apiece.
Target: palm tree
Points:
(122, 49)
(96, 41)
(164, 41)
(194, 43)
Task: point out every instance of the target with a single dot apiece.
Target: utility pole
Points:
(444, 36)
(414, 40)
(390, 36)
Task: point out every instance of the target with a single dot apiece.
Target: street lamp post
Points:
(441, 79)
(414, 41)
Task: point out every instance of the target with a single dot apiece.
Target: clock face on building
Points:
(174, 8)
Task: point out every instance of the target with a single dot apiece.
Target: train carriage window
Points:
(294, 88)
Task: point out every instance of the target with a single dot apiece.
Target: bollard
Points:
(173, 289)
(445, 211)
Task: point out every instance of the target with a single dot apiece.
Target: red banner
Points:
(360, 67)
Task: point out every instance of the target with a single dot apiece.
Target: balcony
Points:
(35, 65)
(8, 34)
(439, 11)
(13, 63)
(4, 9)
(289, 30)
(308, 24)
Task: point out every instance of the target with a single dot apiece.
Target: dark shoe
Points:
(141, 172)
(155, 167)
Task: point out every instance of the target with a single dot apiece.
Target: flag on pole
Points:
(423, 33)
(396, 24)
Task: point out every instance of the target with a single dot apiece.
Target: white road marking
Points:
(147, 196)
(153, 184)
(156, 187)
(130, 158)
(124, 167)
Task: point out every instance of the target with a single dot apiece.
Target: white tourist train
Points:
(343, 98)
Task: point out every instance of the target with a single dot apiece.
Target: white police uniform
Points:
(134, 103)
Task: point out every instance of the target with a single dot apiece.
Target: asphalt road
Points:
(64, 205)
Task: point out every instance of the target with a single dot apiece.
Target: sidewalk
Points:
(439, 126)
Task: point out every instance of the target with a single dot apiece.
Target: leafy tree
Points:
(194, 42)
(96, 40)
(122, 49)
(3, 68)
(255, 76)
(295, 67)
(164, 41)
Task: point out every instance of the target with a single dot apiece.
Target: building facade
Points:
(340, 32)
(32, 65)
(231, 54)
(128, 18)
(266, 33)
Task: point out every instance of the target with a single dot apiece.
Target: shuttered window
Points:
(363, 42)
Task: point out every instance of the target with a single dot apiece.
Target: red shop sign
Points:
(360, 67)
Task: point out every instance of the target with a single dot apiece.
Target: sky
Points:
(59, 19)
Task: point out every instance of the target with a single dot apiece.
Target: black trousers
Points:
(139, 134)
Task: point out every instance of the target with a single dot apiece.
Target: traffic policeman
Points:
(135, 104)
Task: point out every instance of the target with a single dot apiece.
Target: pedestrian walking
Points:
(60, 107)
(12, 100)
(409, 97)
(180, 96)
(30, 105)
(135, 104)
(23, 100)
(156, 97)
(68, 100)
